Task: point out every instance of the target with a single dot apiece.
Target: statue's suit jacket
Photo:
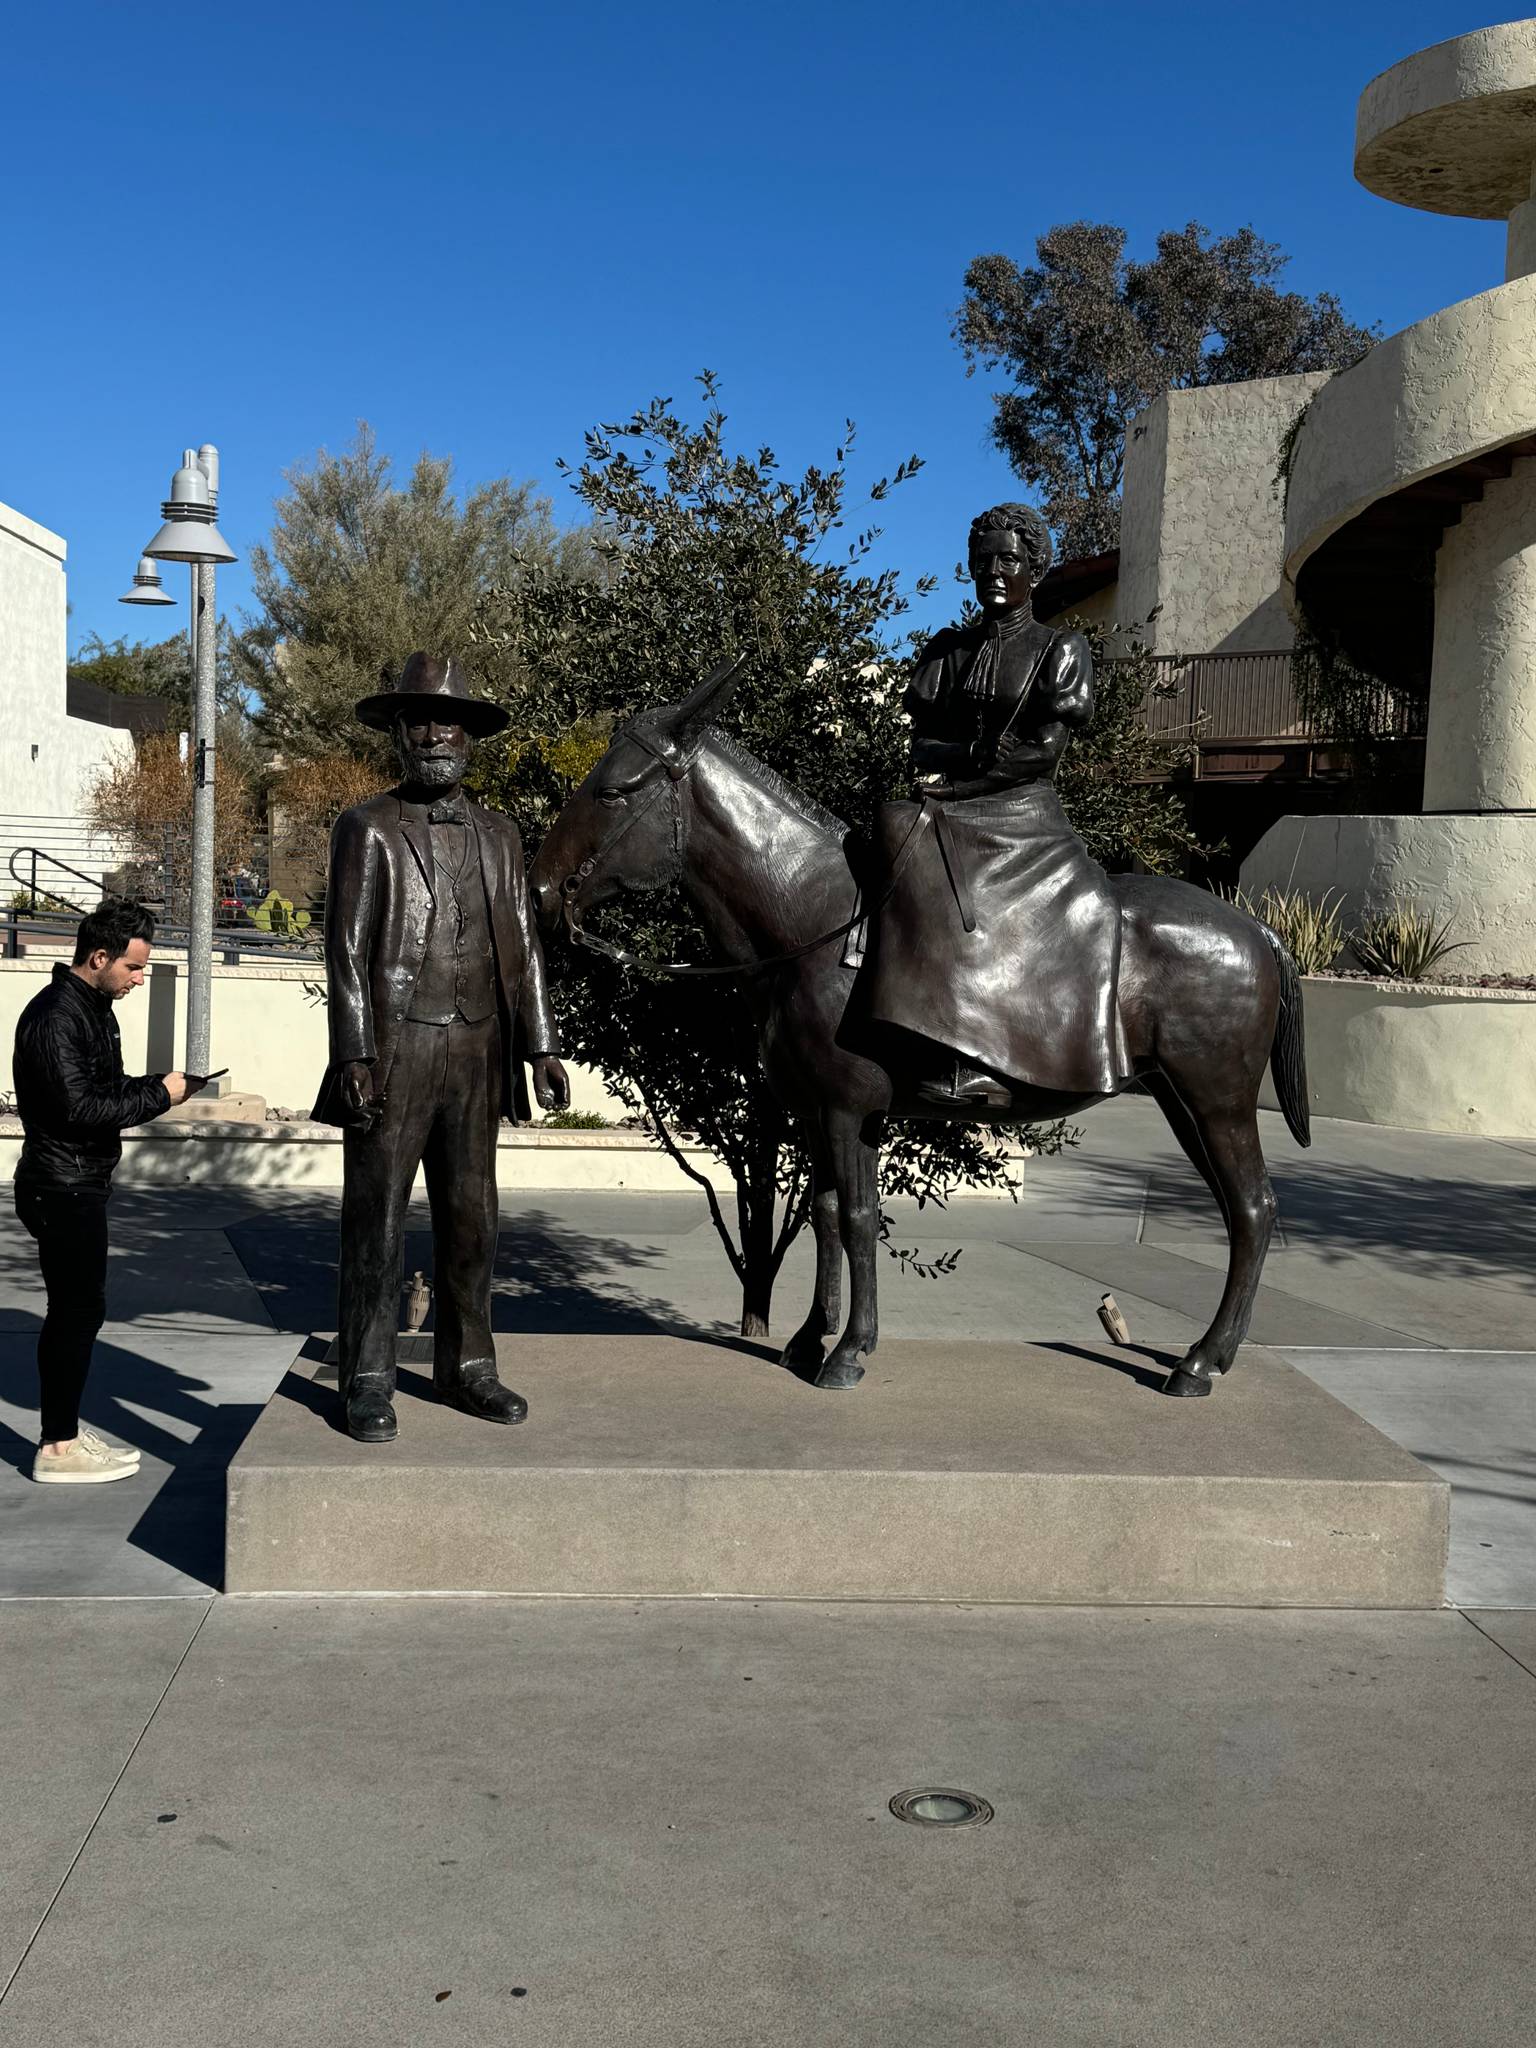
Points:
(379, 907)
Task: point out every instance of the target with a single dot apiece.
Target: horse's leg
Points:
(855, 1168)
(804, 1349)
(1227, 1134)
(1187, 1131)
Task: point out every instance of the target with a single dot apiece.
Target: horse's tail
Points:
(1288, 1053)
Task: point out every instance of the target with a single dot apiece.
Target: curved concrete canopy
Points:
(1453, 387)
(1452, 129)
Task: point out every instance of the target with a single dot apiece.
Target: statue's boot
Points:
(370, 1410)
(475, 1388)
(964, 1087)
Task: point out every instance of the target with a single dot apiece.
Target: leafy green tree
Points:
(359, 571)
(157, 668)
(1089, 338)
(1112, 779)
(704, 551)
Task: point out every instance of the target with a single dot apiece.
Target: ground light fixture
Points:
(147, 587)
(940, 1806)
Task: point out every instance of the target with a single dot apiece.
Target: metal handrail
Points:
(35, 854)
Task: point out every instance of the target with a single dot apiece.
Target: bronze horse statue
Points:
(1208, 998)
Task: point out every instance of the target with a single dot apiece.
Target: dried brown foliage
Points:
(145, 803)
(309, 796)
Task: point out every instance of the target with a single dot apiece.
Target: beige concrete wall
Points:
(1202, 528)
(1420, 1058)
(310, 1156)
(1141, 513)
(265, 1029)
(47, 756)
(1481, 750)
(1480, 872)
(1101, 609)
(1520, 240)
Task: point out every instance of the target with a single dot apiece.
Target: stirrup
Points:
(966, 1087)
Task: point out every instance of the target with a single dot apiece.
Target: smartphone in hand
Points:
(196, 1081)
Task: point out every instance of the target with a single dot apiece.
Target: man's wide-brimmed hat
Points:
(432, 683)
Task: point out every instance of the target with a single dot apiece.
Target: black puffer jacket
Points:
(71, 1092)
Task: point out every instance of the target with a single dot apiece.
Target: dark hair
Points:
(112, 927)
(1027, 523)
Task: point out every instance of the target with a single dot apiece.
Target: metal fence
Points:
(53, 870)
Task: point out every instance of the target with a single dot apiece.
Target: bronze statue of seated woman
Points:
(998, 944)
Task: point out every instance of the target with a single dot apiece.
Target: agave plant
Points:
(1311, 928)
(1403, 943)
(276, 914)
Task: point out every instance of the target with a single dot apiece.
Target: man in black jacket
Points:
(74, 1099)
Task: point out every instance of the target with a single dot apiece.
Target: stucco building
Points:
(1404, 531)
(57, 735)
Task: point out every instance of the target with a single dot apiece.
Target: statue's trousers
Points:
(441, 1113)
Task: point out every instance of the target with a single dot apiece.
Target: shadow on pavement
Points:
(131, 1397)
(1153, 1382)
(549, 1278)
(1433, 1226)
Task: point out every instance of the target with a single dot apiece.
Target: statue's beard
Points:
(432, 771)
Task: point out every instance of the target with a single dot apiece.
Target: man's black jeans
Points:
(70, 1225)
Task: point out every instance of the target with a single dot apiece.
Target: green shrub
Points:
(574, 1120)
(1310, 928)
(276, 914)
(1404, 943)
(40, 905)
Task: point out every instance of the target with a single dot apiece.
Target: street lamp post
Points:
(189, 535)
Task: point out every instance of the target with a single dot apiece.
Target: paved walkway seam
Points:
(85, 1843)
(1519, 1662)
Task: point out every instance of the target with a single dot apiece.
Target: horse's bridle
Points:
(665, 754)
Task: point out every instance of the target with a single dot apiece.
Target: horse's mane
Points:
(770, 779)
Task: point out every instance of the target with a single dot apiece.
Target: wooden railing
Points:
(1222, 697)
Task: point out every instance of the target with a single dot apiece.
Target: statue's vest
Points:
(458, 974)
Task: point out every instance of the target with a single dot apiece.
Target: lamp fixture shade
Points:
(190, 540)
(189, 534)
(146, 586)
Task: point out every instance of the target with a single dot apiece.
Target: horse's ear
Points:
(706, 700)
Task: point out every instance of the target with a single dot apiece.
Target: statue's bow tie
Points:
(448, 811)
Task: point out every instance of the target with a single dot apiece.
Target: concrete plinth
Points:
(662, 1466)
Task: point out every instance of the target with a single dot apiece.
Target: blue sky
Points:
(484, 228)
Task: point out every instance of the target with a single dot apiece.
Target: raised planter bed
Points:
(308, 1155)
(1421, 1056)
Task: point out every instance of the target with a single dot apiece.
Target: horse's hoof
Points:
(801, 1355)
(837, 1373)
(1185, 1385)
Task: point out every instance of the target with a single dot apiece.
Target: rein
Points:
(665, 755)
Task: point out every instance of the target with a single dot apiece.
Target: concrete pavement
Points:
(305, 1820)
(666, 1826)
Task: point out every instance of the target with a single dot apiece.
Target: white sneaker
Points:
(89, 1461)
(119, 1454)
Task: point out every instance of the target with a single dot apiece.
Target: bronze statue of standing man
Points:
(437, 997)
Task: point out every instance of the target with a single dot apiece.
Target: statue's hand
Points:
(551, 1084)
(357, 1093)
